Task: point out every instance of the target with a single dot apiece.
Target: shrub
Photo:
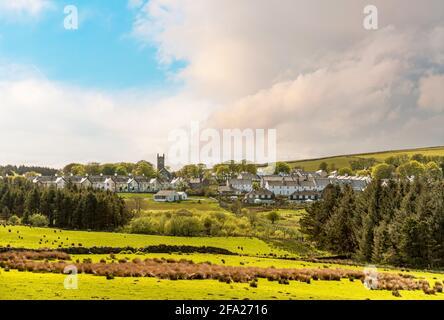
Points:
(14, 221)
(396, 293)
(38, 220)
(143, 225)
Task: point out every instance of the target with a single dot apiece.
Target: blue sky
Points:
(101, 54)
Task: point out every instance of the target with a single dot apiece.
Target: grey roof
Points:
(322, 182)
(306, 193)
(166, 193)
(248, 176)
(73, 179)
(240, 181)
(121, 179)
(142, 179)
(46, 179)
(283, 183)
(97, 179)
(260, 192)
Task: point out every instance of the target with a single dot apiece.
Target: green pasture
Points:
(145, 201)
(344, 160)
(27, 237)
(47, 286)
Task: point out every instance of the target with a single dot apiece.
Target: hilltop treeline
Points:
(108, 169)
(68, 208)
(21, 170)
(399, 223)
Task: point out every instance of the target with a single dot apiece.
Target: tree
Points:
(340, 229)
(433, 171)
(362, 163)
(397, 160)
(78, 170)
(412, 168)
(68, 168)
(364, 173)
(345, 172)
(92, 169)
(121, 170)
(323, 166)
(222, 171)
(273, 216)
(383, 171)
(251, 168)
(108, 169)
(38, 220)
(282, 168)
(31, 174)
(317, 215)
(144, 168)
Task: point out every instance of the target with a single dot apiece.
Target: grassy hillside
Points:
(341, 161)
(48, 286)
(26, 237)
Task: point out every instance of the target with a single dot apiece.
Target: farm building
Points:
(168, 196)
(259, 196)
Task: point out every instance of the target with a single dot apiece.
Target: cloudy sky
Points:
(135, 70)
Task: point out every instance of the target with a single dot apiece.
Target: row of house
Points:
(108, 183)
(298, 186)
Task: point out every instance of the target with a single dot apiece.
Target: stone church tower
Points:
(160, 162)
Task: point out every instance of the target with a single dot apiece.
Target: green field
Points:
(32, 236)
(342, 161)
(192, 204)
(26, 285)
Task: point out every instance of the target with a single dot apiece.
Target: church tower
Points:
(160, 162)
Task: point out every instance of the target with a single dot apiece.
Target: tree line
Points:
(21, 170)
(68, 208)
(398, 222)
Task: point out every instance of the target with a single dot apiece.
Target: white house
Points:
(259, 196)
(96, 182)
(139, 184)
(182, 195)
(282, 187)
(45, 181)
(121, 183)
(167, 196)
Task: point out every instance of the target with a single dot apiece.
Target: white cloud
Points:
(133, 4)
(432, 93)
(47, 123)
(19, 8)
(307, 68)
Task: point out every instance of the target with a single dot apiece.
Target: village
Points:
(296, 186)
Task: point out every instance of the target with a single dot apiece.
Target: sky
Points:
(134, 70)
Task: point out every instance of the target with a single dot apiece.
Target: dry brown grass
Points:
(188, 270)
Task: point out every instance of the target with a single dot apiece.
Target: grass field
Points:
(44, 286)
(192, 204)
(26, 285)
(31, 239)
(342, 161)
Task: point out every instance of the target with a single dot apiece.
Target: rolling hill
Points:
(341, 161)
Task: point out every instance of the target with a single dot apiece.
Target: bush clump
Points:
(14, 221)
(38, 220)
